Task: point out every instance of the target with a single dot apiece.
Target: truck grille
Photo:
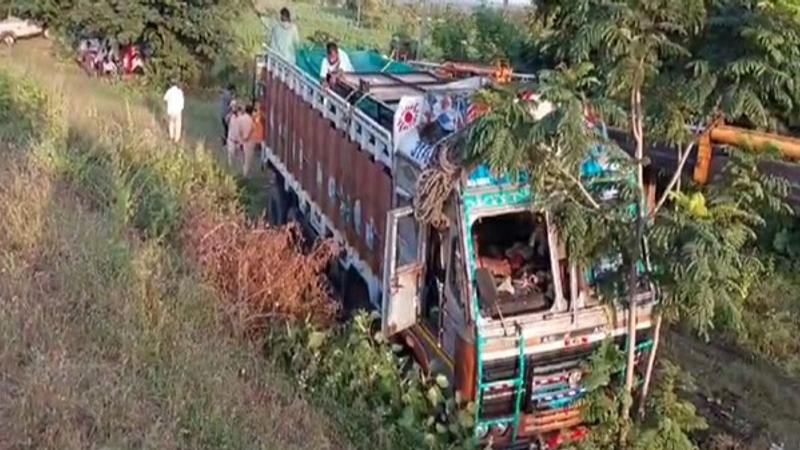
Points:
(553, 381)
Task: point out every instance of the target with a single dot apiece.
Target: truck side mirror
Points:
(487, 290)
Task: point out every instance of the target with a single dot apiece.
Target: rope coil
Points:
(434, 186)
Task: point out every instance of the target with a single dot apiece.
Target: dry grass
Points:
(262, 272)
(109, 340)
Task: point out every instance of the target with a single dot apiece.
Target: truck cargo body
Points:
(345, 174)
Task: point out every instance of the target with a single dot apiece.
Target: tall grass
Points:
(108, 338)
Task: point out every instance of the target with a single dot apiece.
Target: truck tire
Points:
(293, 215)
(276, 205)
(355, 295)
(8, 39)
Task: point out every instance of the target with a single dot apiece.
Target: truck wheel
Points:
(8, 39)
(276, 206)
(356, 295)
(293, 215)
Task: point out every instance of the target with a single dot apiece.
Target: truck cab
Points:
(493, 301)
(487, 294)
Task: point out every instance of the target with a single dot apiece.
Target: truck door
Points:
(403, 271)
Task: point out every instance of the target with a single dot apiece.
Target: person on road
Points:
(285, 39)
(335, 63)
(256, 137)
(225, 110)
(174, 99)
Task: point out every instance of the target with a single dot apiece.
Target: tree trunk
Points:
(637, 128)
(631, 356)
(651, 362)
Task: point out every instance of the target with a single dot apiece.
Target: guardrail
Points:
(362, 129)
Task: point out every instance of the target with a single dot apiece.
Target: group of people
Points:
(243, 124)
(243, 129)
(285, 40)
(107, 58)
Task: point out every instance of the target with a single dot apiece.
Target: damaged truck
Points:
(463, 271)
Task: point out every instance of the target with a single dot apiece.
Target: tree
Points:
(632, 62)
(629, 43)
(756, 79)
(185, 37)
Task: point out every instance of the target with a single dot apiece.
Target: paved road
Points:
(665, 160)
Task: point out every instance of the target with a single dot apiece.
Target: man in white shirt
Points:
(174, 99)
(334, 64)
(285, 39)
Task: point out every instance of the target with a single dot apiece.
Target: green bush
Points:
(27, 114)
(388, 402)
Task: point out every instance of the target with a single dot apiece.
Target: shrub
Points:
(391, 404)
(262, 272)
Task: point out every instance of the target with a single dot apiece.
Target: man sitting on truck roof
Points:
(285, 38)
(335, 63)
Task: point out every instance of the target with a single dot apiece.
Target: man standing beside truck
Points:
(285, 38)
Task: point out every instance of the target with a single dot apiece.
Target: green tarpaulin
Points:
(310, 61)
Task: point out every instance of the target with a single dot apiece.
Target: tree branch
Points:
(581, 188)
(675, 177)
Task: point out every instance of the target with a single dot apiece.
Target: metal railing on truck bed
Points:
(357, 125)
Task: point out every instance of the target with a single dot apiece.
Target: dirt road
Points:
(744, 398)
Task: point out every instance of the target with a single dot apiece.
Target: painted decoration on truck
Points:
(408, 117)
(447, 112)
(483, 176)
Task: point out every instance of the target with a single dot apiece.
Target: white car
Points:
(13, 28)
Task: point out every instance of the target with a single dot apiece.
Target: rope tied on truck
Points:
(434, 186)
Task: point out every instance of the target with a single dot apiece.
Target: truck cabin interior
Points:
(514, 273)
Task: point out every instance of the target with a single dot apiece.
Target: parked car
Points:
(13, 28)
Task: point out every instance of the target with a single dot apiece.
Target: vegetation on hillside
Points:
(184, 38)
(98, 306)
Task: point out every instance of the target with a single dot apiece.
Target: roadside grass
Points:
(108, 339)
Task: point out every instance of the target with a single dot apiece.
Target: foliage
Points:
(671, 419)
(27, 114)
(755, 79)
(483, 35)
(366, 12)
(770, 319)
(184, 38)
(391, 404)
(704, 240)
(684, 50)
(452, 37)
